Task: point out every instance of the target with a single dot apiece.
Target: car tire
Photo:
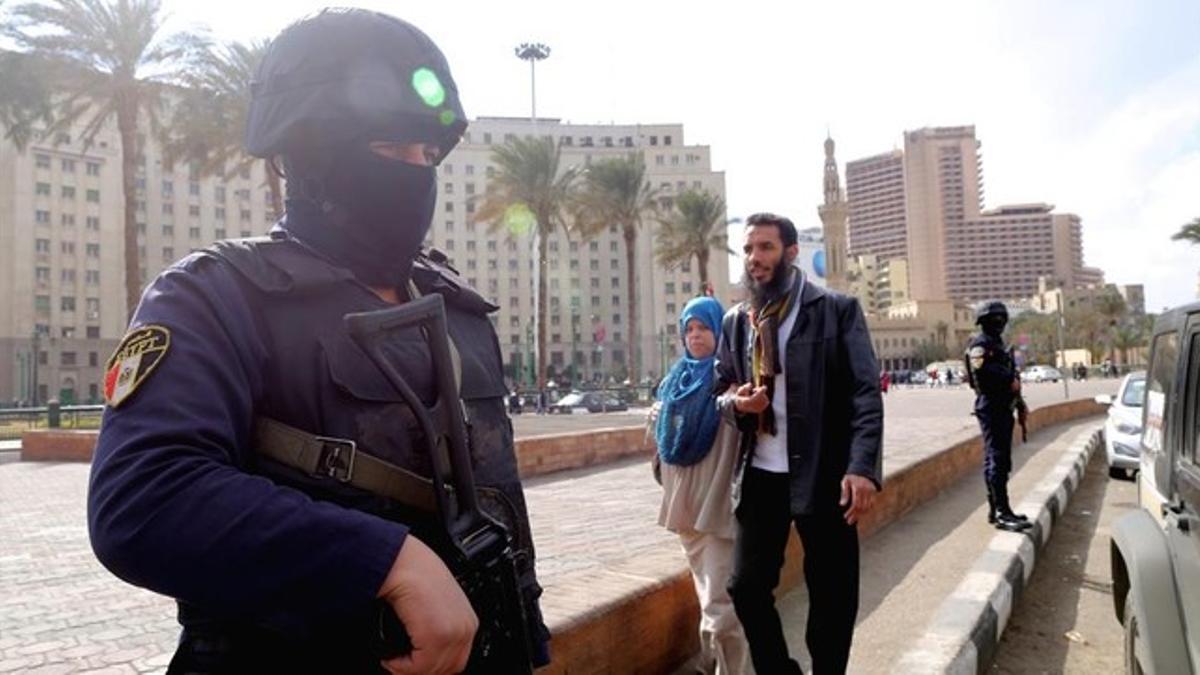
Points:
(1132, 636)
(1117, 473)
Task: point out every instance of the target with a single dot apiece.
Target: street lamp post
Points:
(34, 367)
(534, 52)
(1062, 355)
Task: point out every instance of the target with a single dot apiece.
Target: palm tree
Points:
(1189, 232)
(1128, 337)
(25, 103)
(615, 192)
(209, 121)
(694, 229)
(530, 191)
(109, 61)
(1111, 307)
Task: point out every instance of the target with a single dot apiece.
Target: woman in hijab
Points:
(697, 448)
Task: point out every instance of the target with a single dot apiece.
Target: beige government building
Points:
(61, 278)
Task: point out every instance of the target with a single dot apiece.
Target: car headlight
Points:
(1125, 450)
(1127, 428)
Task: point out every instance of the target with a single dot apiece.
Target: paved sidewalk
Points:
(595, 532)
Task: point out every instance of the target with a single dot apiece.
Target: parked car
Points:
(590, 401)
(1155, 549)
(1123, 430)
(1041, 374)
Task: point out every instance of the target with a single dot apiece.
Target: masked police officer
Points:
(994, 377)
(253, 462)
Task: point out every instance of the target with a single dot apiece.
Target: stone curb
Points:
(964, 633)
(612, 637)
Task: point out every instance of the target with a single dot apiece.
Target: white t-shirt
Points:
(770, 452)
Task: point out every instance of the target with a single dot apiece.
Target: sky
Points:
(1093, 106)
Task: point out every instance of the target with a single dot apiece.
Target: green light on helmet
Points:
(447, 117)
(427, 85)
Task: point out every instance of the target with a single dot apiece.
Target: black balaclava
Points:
(371, 213)
(993, 324)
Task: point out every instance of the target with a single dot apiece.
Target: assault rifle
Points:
(474, 547)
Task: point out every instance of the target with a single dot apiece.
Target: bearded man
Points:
(799, 360)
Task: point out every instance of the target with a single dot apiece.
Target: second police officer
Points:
(252, 461)
(994, 377)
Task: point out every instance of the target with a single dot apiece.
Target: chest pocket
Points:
(364, 406)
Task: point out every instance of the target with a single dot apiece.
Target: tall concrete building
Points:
(1003, 252)
(62, 299)
(875, 199)
(588, 332)
(62, 307)
(924, 205)
(833, 219)
(943, 188)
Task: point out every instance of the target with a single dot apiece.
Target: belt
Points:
(342, 460)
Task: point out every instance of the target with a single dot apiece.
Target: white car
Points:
(1041, 374)
(1123, 430)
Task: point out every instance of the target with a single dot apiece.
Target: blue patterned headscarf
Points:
(688, 420)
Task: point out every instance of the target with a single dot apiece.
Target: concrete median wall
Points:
(653, 629)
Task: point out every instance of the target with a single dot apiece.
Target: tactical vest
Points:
(319, 383)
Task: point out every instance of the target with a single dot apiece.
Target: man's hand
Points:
(435, 612)
(859, 493)
(750, 399)
(1016, 385)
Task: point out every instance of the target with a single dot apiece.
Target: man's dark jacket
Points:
(834, 408)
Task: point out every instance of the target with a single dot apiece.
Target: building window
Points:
(42, 275)
(244, 215)
(42, 189)
(41, 216)
(193, 233)
(93, 332)
(219, 213)
(68, 166)
(93, 196)
(92, 277)
(670, 288)
(168, 230)
(168, 209)
(67, 303)
(41, 245)
(219, 194)
(168, 254)
(93, 250)
(93, 223)
(42, 161)
(68, 220)
(67, 247)
(194, 211)
(219, 233)
(67, 358)
(93, 169)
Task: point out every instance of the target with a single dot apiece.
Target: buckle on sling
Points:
(337, 458)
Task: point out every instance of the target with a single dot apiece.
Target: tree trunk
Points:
(702, 263)
(127, 126)
(541, 307)
(276, 188)
(635, 362)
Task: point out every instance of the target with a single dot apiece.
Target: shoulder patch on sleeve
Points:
(975, 354)
(140, 352)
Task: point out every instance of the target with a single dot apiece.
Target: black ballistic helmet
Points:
(991, 308)
(345, 74)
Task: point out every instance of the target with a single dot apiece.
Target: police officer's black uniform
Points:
(253, 462)
(992, 373)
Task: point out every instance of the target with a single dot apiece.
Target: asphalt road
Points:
(1064, 621)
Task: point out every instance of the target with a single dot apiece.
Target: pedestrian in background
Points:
(697, 441)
